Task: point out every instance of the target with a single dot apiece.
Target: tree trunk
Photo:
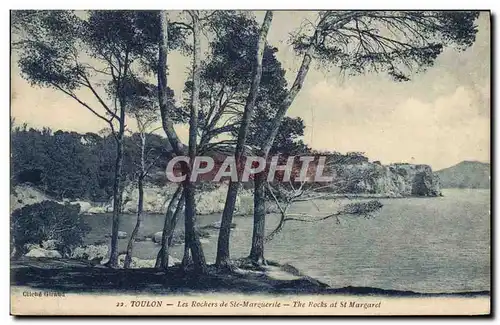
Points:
(222, 260)
(187, 261)
(117, 198)
(174, 207)
(259, 220)
(166, 122)
(223, 256)
(292, 93)
(191, 242)
(166, 252)
(257, 250)
(140, 204)
(191, 237)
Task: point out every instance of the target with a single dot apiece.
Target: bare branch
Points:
(297, 195)
(89, 85)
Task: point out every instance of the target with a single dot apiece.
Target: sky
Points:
(440, 117)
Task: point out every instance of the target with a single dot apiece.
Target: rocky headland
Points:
(367, 179)
(395, 180)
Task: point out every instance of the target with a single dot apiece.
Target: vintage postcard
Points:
(250, 162)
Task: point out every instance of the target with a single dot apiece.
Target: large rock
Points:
(41, 252)
(142, 238)
(157, 237)
(216, 225)
(24, 194)
(84, 206)
(90, 252)
(138, 263)
(99, 209)
(121, 235)
(177, 237)
(157, 198)
(396, 180)
(213, 201)
(425, 183)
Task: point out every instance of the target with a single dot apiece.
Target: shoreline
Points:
(77, 276)
(271, 208)
(210, 202)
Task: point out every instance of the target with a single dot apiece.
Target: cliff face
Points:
(23, 195)
(396, 180)
(156, 199)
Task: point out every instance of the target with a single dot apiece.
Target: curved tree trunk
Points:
(166, 122)
(168, 127)
(191, 237)
(257, 250)
(140, 206)
(140, 201)
(173, 210)
(166, 251)
(223, 257)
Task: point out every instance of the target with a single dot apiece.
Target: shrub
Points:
(365, 208)
(90, 252)
(48, 221)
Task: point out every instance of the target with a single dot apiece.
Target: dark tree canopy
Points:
(70, 165)
(226, 76)
(395, 42)
(104, 52)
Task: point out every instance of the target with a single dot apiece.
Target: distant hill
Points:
(466, 174)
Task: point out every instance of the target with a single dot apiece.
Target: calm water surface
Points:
(420, 244)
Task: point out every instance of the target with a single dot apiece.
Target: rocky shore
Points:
(156, 200)
(97, 253)
(367, 179)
